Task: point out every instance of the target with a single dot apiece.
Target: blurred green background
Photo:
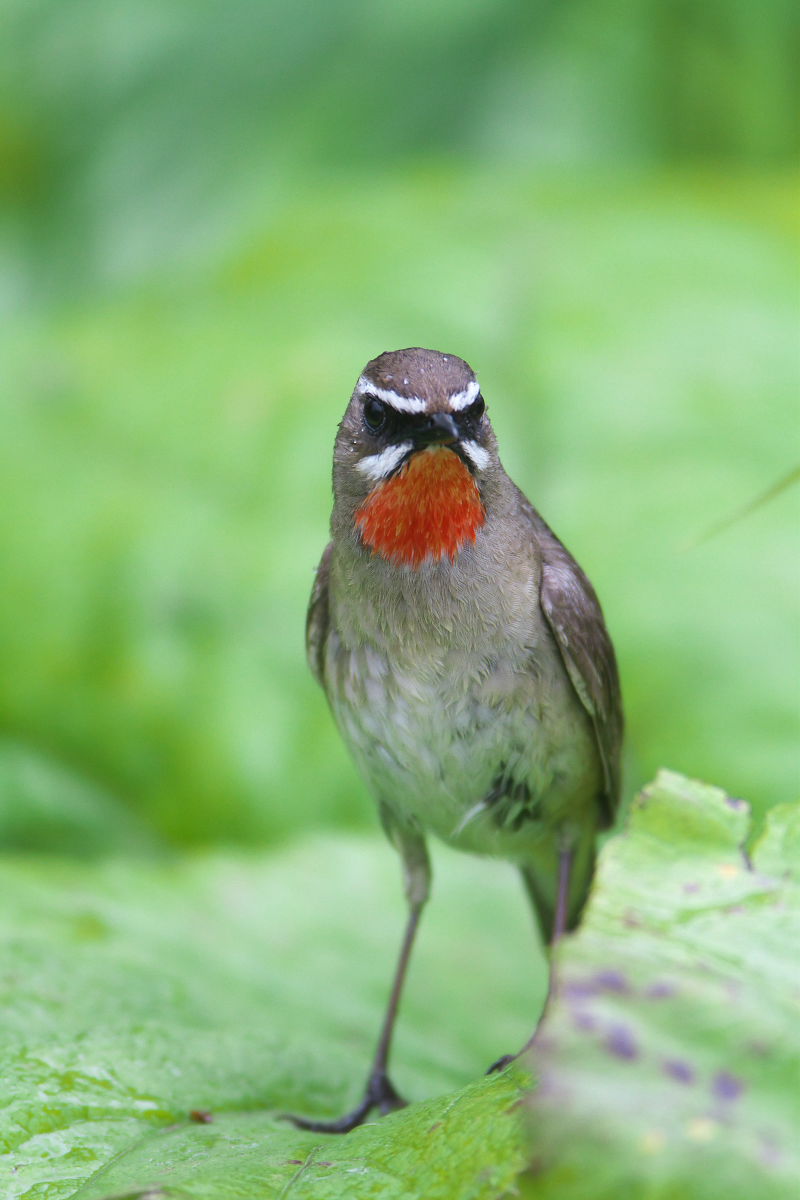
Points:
(213, 215)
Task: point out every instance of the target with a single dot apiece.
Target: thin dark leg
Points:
(380, 1092)
(384, 1046)
(559, 929)
(562, 897)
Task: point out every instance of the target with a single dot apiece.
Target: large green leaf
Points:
(671, 1065)
(468, 1145)
(135, 992)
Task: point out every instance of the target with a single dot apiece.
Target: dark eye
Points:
(374, 414)
(476, 409)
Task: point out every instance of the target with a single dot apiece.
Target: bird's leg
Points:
(380, 1092)
(559, 928)
(560, 919)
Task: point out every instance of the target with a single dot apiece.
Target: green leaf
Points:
(468, 1144)
(670, 1064)
(135, 992)
(46, 807)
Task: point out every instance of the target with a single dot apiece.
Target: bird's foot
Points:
(508, 1059)
(503, 1062)
(380, 1095)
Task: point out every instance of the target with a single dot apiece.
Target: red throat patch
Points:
(431, 507)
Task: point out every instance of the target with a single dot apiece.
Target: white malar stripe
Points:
(379, 466)
(465, 398)
(478, 456)
(404, 404)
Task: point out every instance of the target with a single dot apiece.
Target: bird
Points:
(464, 656)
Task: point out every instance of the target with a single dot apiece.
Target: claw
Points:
(380, 1094)
(502, 1063)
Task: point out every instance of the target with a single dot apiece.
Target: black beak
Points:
(436, 429)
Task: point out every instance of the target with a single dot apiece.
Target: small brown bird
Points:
(463, 652)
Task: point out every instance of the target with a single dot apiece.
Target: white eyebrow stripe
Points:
(464, 399)
(478, 455)
(379, 466)
(405, 404)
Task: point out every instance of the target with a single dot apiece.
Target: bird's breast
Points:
(461, 744)
(430, 509)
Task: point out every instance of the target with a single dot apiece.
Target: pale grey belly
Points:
(492, 759)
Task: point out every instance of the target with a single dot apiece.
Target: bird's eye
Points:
(476, 409)
(374, 414)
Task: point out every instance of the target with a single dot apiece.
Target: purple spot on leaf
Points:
(736, 803)
(726, 1086)
(602, 981)
(677, 1069)
(584, 1020)
(691, 888)
(578, 989)
(660, 990)
(620, 1041)
(612, 981)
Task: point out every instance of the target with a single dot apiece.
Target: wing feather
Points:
(317, 620)
(573, 612)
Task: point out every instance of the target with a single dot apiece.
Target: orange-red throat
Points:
(430, 508)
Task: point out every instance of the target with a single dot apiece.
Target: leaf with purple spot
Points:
(669, 1059)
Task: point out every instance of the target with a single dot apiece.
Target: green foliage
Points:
(131, 132)
(669, 1069)
(468, 1146)
(243, 987)
(165, 466)
(45, 807)
(133, 993)
(211, 217)
(216, 214)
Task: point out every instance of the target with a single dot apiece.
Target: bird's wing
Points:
(317, 618)
(573, 612)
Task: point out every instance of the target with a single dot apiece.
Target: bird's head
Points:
(413, 455)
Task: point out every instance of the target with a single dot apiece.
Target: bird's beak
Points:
(437, 429)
